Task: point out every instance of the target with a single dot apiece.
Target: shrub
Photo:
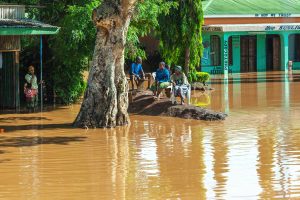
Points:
(202, 77)
(195, 76)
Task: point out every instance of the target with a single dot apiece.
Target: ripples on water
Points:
(254, 154)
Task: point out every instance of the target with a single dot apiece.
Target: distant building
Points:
(14, 25)
(250, 35)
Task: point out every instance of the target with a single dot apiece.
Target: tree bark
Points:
(187, 60)
(105, 101)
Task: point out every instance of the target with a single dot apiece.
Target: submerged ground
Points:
(253, 154)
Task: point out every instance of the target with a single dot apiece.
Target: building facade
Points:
(250, 36)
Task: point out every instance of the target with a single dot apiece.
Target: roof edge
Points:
(278, 15)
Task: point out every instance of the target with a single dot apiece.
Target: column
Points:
(284, 52)
(17, 80)
(261, 53)
(225, 97)
(286, 95)
(225, 44)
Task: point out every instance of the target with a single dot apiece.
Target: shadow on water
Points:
(38, 140)
(36, 127)
(6, 119)
(2, 152)
(24, 110)
(5, 160)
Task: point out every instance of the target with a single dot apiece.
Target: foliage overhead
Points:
(181, 29)
(144, 22)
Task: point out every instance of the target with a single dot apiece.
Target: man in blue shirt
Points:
(136, 72)
(162, 80)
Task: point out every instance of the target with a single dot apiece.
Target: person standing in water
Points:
(31, 90)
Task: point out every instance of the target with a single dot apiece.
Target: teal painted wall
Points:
(261, 53)
(236, 54)
(296, 65)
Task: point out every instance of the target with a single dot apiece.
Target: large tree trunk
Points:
(106, 97)
(187, 60)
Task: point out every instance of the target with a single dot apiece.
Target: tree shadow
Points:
(23, 110)
(27, 141)
(6, 119)
(4, 160)
(2, 152)
(12, 128)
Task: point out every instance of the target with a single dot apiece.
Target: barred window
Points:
(215, 50)
(230, 58)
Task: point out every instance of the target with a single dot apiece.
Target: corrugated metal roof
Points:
(23, 23)
(250, 7)
(26, 27)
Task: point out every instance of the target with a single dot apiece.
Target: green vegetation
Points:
(202, 77)
(180, 34)
(145, 21)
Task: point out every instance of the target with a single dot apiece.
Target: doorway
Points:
(273, 53)
(9, 79)
(248, 54)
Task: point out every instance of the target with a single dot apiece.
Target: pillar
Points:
(261, 53)
(17, 80)
(225, 46)
(284, 52)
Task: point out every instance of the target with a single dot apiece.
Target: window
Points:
(230, 58)
(215, 53)
(294, 47)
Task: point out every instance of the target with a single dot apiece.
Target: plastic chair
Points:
(173, 96)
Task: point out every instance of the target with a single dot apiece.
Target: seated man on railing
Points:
(162, 80)
(136, 72)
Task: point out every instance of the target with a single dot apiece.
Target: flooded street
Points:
(253, 154)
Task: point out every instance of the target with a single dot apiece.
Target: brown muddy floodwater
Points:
(253, 154)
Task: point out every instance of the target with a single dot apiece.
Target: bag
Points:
(29, 93)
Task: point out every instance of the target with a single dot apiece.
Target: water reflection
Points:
(253, 154)
(220, 166)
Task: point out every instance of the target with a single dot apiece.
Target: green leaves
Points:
(144, 22)
(181, 29)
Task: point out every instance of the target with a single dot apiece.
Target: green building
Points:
(250, 35)
(13, 26)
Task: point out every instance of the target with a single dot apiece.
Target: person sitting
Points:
(180, 84)
(162, 80)
(136, 72)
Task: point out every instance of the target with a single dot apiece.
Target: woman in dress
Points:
(31, 89)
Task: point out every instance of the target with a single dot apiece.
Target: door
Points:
(9, 79)
(248, 54)
(273, 52)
